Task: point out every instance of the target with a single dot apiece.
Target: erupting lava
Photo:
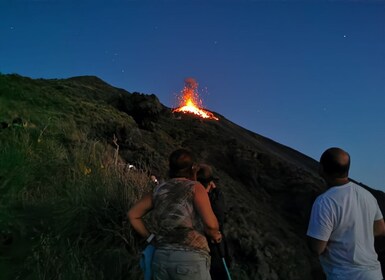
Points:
(189, 101)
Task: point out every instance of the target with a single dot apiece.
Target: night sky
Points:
(309, 75)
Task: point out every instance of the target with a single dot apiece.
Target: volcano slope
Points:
(66, 184)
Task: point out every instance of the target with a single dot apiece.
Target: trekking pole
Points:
(222, 254)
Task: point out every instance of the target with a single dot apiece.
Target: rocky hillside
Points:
(269, 188)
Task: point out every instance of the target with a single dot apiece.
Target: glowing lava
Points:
(189, 101)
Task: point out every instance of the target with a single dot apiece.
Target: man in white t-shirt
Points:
(343, 223)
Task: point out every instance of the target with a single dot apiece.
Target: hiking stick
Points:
(222, 254)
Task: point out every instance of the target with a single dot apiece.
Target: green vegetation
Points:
(65, 185)
(64, 190)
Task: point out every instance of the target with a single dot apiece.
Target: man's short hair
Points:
(335, 161)
(180, 163)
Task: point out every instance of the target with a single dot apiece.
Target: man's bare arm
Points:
(379, 228)
(317, 246)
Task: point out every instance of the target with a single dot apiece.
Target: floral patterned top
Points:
(177, 223)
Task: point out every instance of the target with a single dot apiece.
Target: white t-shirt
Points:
(344, 216)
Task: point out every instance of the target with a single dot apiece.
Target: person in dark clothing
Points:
(217, 251)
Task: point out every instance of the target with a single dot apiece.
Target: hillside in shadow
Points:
(66, 182)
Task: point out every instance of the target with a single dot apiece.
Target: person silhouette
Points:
(206, 177)
(343, 223)
(182, 216)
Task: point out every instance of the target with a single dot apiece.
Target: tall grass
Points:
(63, 207)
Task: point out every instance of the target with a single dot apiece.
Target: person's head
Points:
(206, 177)
(334, 165)
(181, 163)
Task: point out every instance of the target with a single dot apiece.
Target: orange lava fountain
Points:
(189, 101)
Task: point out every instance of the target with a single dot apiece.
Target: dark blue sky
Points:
(309, 75)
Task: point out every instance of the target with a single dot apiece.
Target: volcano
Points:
(190, 103)
(269, 188)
